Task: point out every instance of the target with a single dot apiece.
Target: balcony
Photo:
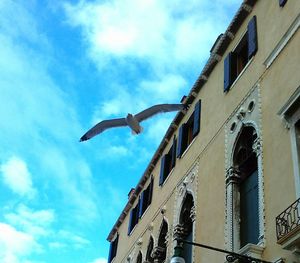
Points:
(288, 227)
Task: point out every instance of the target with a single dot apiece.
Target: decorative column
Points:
(257, 149)
(232, 208)
(193, 214)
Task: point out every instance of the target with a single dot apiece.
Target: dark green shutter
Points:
(252, 37)
(173, 158)
(249, 210)
(228, 74)
(110, 252)
(182, 140)
(115, 246)
(150, 192)
(130, 222)
(282, 3)
(197, 113)
(141, 204)
(162, 170)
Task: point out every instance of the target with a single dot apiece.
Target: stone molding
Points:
(247, 113)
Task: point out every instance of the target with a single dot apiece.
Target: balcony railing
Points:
(288, 222)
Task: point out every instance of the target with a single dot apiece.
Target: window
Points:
(237, 59)
(290, 112)
(282, 3)
(142, 205)
(161, 249)
(149, 257)
(168, 162)
(189, 130)
(113, 249)
(134, 217)
(245, 161)
(186, 222)
(139, 257)
(146, 198)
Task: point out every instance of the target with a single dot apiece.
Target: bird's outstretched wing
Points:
(101, 126)
(145, 114)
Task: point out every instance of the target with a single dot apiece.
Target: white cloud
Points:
(158, 127)
(168, 88)
(117, 151)
(15, 245)
(166, 33)
(35, 223)
(17, 177)
(121, 27)
(72, 239)
(99, 260)
(169, 38)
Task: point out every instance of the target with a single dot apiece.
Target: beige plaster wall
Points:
(276, 85)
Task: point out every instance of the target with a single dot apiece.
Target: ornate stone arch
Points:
(160, 251)
(246, 116)
(139, 258)
(149, 258)
(187, 188)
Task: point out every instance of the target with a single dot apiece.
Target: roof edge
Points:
(217, 51)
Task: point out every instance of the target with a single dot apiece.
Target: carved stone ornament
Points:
(181, 190)
(139, 242)
(192, 178)
(150, 226)
(179, 232)
(232, 175)
(163, 210)
(193, 213)
(158, 253)
(257, 146)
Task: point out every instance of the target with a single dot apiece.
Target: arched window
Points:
(162, 241)
(245, 162)
(149, 257)
(186, 222)
(139, 257)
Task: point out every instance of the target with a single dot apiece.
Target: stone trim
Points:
(189, 185)
(248, 113)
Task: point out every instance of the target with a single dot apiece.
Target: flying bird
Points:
(133, 121)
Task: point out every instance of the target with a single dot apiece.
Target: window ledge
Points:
(186, 150)
(132, 229)
(168, 176)
(252, 250)
(145, 211)
(241, 73)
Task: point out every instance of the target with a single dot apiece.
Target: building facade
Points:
(227, 172)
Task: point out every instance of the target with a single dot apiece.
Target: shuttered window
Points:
(134, 217)
(189, 130)
(252, 37)
(282, 3)
(196, 124)
(113, 249)
(145, 199)
(236, 60)
(168, 162)
(182, 140)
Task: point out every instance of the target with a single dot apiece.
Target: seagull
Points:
(133, 121)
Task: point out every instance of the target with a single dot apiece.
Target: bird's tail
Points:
(133, 132)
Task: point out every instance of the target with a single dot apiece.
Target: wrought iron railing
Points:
(288, 221)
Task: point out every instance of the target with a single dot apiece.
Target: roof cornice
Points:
(217, 52)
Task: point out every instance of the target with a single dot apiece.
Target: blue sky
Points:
(64, 66)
